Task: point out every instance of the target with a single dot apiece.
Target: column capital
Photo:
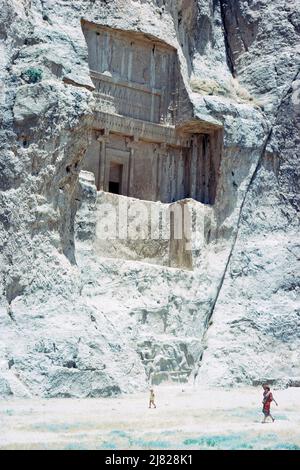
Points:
(132, 142)
(103, 135)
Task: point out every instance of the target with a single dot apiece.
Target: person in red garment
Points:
(267, 399)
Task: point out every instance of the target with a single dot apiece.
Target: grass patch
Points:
(107, 445)
(206, 87)
(119, 433)
(287, 446)
(74, 446)
(149, 444)
(233, 89)
(231, 442)
(52, 427)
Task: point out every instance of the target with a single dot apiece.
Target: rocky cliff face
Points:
(75, 325)
(256, 309)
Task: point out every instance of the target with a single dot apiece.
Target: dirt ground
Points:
(185, 418)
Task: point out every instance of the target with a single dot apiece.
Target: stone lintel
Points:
(138, 130)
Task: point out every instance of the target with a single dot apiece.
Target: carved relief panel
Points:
(134, 76)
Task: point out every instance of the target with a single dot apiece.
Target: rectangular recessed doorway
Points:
(115, 178)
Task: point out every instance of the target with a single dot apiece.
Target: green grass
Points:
(232, 442)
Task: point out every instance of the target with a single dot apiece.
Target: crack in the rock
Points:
(254, 174)
(240, 30)
(235, 236)
(10, 313)
(229, 54)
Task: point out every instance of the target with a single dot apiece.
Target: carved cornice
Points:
(141, 130)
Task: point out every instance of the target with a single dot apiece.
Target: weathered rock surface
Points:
(74, 324)
(257, 308)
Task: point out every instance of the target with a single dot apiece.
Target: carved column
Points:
(132, 145)
(162, 157)
(201, 169)
(193, 168)
(152, 83)
(103, 138)
(129, 65)
(207, 170)
(158, 170)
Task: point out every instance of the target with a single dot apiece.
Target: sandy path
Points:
(189, 419)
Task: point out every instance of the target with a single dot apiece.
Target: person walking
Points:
(152, 398)
(267, 400)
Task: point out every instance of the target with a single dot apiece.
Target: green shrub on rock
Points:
(32, 75)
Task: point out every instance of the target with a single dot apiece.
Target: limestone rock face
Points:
(76, 323)
(257, 307)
